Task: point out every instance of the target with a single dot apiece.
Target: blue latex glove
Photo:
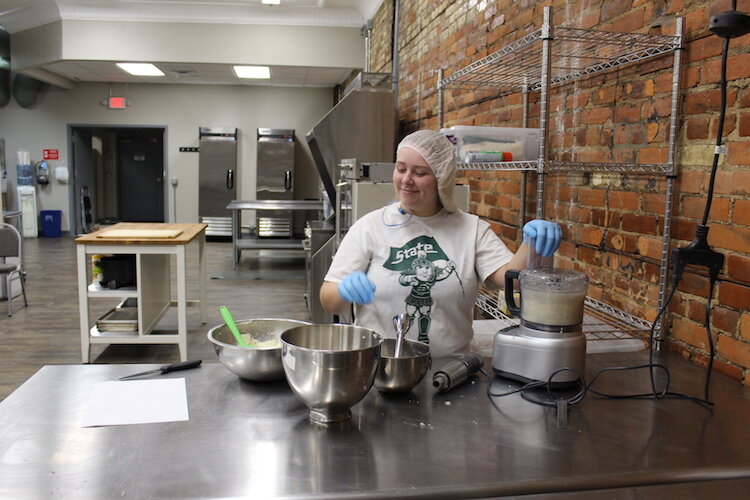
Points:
(357, 288)
(547, 234)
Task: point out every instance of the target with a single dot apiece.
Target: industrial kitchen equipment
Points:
(217, 178)
(361, 125)
(550, 338)
(275, 181)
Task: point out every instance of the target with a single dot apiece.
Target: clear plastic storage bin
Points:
(476, 144)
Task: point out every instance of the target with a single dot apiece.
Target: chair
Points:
(11, 245)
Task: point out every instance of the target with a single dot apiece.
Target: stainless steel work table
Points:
(239, 243)
(254, 440)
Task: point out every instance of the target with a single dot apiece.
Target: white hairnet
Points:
(440, 155)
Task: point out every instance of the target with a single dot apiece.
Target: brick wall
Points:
(612, 223)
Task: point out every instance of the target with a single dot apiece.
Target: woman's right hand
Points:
(357, 288)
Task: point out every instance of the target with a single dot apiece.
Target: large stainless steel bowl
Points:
(260, 364)
(402, 374)
(330, 367)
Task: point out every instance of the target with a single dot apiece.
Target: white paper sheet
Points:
(137, 402)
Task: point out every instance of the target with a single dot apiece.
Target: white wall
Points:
(179, 108)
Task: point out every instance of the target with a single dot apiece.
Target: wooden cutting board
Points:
(140, 233)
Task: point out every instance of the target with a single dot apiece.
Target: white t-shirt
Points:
(427, 267)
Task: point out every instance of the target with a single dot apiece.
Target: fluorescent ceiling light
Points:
(271, 2)
(141, 69)
(252, 71)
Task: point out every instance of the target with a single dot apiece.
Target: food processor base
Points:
(528, 355)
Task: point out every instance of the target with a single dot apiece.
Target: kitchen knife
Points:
(182, 365)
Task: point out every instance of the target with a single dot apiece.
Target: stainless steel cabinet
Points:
(217, 178)
(275, 180)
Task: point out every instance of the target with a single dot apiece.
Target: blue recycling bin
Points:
(51, 222)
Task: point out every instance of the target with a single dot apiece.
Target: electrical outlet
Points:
(697, 253)
(174, 181)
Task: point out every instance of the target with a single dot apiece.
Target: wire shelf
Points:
(560, 166)
(502, 165)
(634, 168)
(574, 53)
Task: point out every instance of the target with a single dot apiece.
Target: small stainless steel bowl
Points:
(330, 367)
(402, 374)
(260, 364)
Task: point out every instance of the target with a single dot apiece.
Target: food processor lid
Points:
(561, 280)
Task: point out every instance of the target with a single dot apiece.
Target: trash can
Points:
(51, 221)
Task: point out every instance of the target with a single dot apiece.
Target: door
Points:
(217, 176)
(82, 200)
(140, 183)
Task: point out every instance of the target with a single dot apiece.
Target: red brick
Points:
(736, 351)
(730, 370)
(725, 319)
(738, 66)
(745, 325)
(704, 48)
(730, 238)
(588, 255)
(629, 134)
(741, 212)
(592, 197)
(596, 116)
(710, 72)
(692, 181)
(627, 114)
(690, 333)
(697, 128)
(696, 311)
(592, 236)
(653, 132)
(650, 247)
(703, 102)
(738, 267)
(683, 229)
(652, 203)
(606, 218)
(734, 295)
(653, 155)
(730, 123)
(694, 284)
(694, 206)
(744, 125)
(739, 153)
(580, 214)
(732, 182)
(642, 224)
(623, 200)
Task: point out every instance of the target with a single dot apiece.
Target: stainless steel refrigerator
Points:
(217, 178)
(275, 181)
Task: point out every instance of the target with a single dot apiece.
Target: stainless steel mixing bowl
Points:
(402, 374)
(330, 367)
(259, 364)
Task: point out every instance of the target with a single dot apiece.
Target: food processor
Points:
(550, 335)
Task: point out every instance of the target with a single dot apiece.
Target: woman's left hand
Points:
(547, 235)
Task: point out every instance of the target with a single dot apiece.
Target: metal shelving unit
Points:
(558, 55)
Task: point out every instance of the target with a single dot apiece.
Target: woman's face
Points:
(415, 184)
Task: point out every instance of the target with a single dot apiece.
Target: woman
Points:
(422, 256)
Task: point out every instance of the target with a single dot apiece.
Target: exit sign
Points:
(117, 103)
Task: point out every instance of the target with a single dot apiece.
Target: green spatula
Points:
(229, 320)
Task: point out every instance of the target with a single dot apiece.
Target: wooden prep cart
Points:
(152, 244)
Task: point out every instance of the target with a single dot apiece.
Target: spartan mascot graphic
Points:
(421, 263)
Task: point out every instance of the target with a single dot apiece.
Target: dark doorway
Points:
(117, 174)
(140, 186)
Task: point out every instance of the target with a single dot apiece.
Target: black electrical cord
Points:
(719, 132)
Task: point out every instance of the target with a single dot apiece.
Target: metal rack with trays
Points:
(556, 55)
